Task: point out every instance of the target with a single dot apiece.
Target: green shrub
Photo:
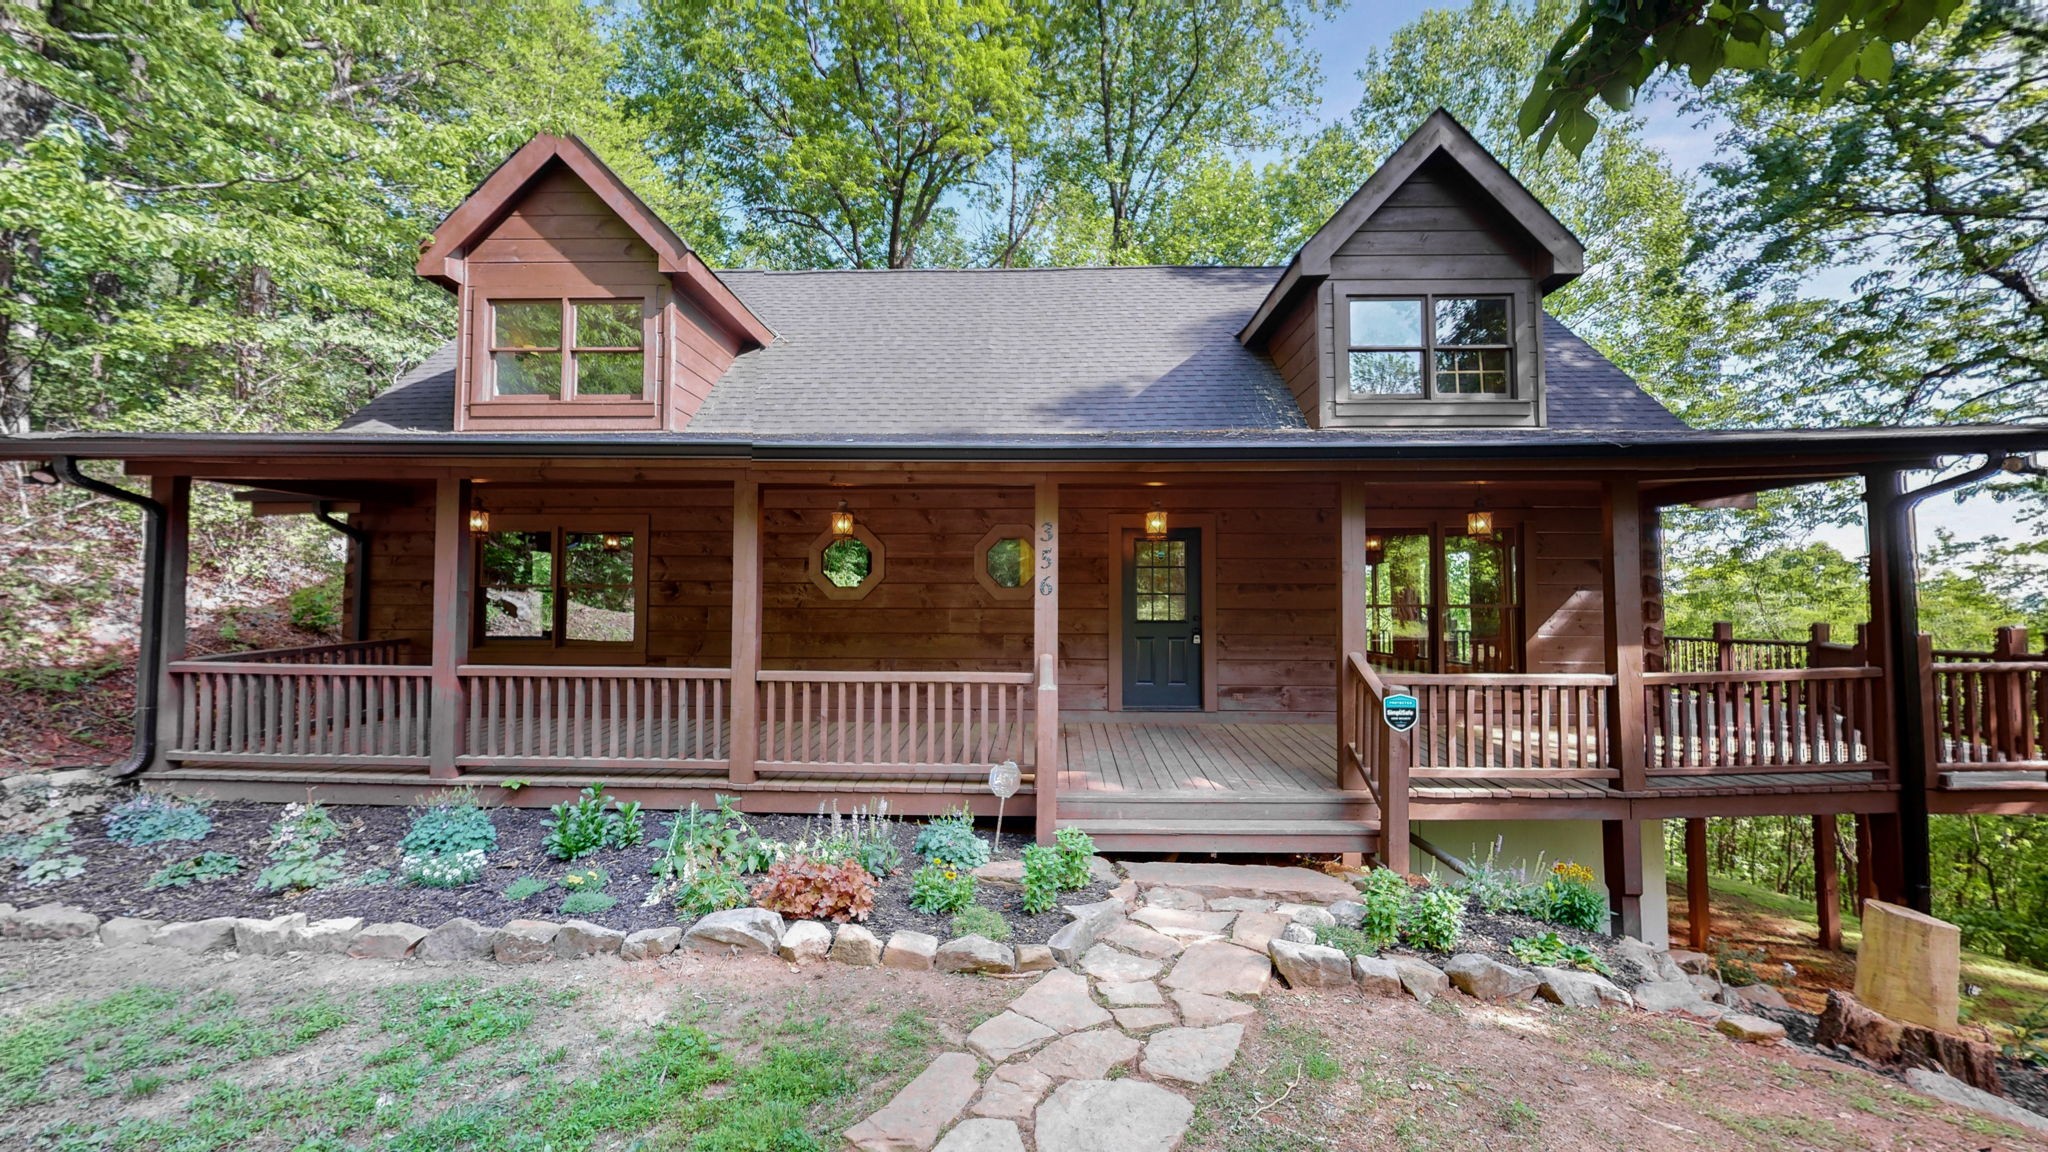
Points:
(153, 818)
(710, 889)
(1075, 848)
(587, 903)
(1551, 951)
(51, 869)
(297, 838)
(937, 889)
(317, 607)
(1570, 899)
(952, 840)
(25, 852)
(576, 828)
(524, 888)
(1435, 920)
(976, 920)
(1350, 941)
(1043, 872)
(204, 868)
(454, 821)
(1384, 895)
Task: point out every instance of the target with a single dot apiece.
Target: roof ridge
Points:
(1272, 268)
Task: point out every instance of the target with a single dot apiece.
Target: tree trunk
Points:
(24, 111)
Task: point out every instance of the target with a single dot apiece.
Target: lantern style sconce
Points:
(1375, 550)
(1155, 523)
(842, 523)
(479, 522)
(1479, 521)
(613, 542)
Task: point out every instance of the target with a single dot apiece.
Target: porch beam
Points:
(1351, 627)
(745, 744)
(1699, 912)
(454, 557)
(1044, 574)
(175, 494)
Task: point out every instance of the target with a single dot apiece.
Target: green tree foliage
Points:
(209, 211)
(1610, 50)
(839, 129)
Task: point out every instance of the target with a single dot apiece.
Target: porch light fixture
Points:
(1375, 550)
(479, 522)
(1479, 521)
(842, 523)
(613, 542)
(1155, 523)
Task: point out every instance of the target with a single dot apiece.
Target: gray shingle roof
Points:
(968, 354)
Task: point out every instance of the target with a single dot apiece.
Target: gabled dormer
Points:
(580, 309)
(1419, 303)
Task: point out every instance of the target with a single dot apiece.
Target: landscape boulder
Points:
(48, 922)
(1310, 965)
(1638, 963)
(579, 938)
(1349, 913)
(1749, 1029)
(127, 931)
(524, 942)
(272, 937)
(856, 947)
(1755, 996)
(1073, 941)
(331, 937)
(391, 941)
(1421, 979)
(1575, 989)
(651, 943)
(1377, 975)
(1673, 996)
(1484, 978)
(1035, 958)
(975, 954)
(1847, 1023)
(458, 939)
(912, 951)
(744, 929)
(214, 935)
(805, 942)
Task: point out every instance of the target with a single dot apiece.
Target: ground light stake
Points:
(1003, 780)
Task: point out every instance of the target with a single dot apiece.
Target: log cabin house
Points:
(1169, 538)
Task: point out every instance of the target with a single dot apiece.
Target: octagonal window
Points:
(845, 567)
(1002, 562)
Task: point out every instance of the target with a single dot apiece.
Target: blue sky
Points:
(1343, 42)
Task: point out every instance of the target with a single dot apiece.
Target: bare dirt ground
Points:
(1342, 1071)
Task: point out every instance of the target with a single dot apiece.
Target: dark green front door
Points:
(1162, 623)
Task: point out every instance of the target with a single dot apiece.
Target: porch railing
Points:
(1381, 755)
(587, 719)
(860, 723)
(1520, 726)
(1775, 721)
(1991, 715)
(348, 652)
(305, 714)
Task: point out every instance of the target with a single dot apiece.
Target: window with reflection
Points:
(565, 349)
(558, 586)
(1427, 347)
(1004, 562)
(1159, 571)
(1440, 601)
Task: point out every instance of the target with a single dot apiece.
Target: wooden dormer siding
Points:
(554, 224)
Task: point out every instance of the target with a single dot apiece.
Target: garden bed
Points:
(116, 875)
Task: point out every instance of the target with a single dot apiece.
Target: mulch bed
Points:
(115, 875)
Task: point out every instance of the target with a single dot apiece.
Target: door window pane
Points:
(1480, 589)
(1159, 572)
(1386, 373)
(518, 579)
(1398, 593)
(1386, 323)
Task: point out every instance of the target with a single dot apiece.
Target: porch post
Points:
(453, 558)
(1351, 623)
(1045, 649)
(1699, 912)
(1905, 723)
(175, 494)
(745, 744)
(1622, 598)
(1827, 882)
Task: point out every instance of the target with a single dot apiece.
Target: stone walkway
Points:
(1100, 1055)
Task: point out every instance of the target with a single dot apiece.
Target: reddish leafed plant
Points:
(805, 889)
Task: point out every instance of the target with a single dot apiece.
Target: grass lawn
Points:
(333, 1055)
(1766, 929)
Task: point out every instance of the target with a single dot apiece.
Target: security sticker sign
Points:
(1400, 711)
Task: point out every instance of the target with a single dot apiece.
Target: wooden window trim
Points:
(524, 650)
(989, 540)
(1340, 382)
(484, 388)
(1439, 529)
(814, 565)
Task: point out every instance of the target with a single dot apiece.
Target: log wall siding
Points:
(562, 240)
(1274, 617)
(1296, 350)
(1439, 223)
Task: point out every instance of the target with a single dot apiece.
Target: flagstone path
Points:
(1103, 1059)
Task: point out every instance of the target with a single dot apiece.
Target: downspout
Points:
(150, 646)
(1910, 694)
(359, 620)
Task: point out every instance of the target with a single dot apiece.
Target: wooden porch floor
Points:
(1198, 759)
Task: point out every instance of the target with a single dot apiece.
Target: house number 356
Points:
(1045, 537)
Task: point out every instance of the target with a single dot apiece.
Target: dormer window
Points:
(1426, 347)
(568, 349)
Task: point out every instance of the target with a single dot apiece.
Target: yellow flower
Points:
(1572, 873)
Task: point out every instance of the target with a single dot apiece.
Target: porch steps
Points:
(1196, 834)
